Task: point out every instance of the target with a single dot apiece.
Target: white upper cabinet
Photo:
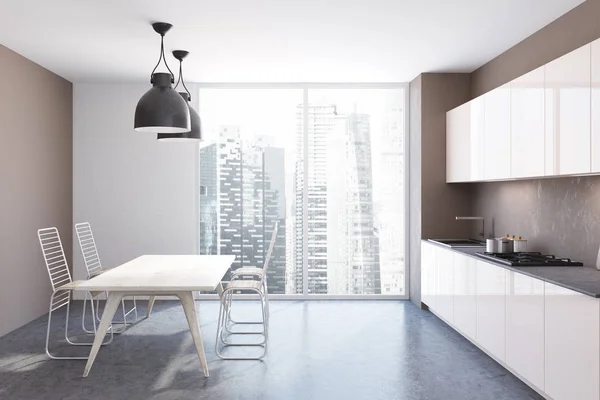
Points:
(477, 114)
(497, 133)
(527, 125)
(595, 92)
(568, 112)
(544, 123)
(458, 144)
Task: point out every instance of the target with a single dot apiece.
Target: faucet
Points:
(482, 233)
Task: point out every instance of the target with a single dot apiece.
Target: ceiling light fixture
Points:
(162, 109)
(195, 134)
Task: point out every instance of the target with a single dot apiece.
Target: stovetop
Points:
(529, 259)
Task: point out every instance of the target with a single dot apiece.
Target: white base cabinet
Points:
(428, 275)
(525, 327)
(547, 335)
(572, 329)
(491, 311)
(444, 267)
(465, 295)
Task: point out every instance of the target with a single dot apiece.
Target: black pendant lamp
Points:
(195, 134)
(162, 109)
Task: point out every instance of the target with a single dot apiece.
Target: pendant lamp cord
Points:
(162, 57)
(182, 81)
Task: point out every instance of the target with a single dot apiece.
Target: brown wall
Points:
(433, 203)
(36, 177)
(574, 29)
(560, 215)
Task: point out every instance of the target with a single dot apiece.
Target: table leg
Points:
(150, 305)
(112, 304)
(189, 307)
(219, 289)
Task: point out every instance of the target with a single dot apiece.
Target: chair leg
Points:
(47, 346)
(95, 330)
(124, 321)
(226, 301)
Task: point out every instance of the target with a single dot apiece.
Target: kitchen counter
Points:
(584, 280)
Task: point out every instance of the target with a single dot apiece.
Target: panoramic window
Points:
(327, 166)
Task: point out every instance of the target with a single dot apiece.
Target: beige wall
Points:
(36, 177)
(433, 203)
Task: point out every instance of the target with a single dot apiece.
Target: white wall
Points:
(139, 195)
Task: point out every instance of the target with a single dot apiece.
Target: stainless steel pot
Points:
(505, 245)
(491, 245)
(520, 245)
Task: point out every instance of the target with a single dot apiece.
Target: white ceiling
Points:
(271, 40)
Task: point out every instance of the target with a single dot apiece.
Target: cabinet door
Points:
(465, 295)
(444, 301)
(477, 143)
(525, 327)
(568, 103)
(572, 348)
(458, 144)
(595, 93)
(428, 274)
(527, 125)
(491, 311)
(497, 134)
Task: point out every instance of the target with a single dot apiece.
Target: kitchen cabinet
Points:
(477, 135)
(428, 275)
(572, 347)
(458, 144)
(568, 112)
(525, 327)
(527, 125)
(444, 299)
(491, 312)
(465, 295)
(496, 134)
(595, 93)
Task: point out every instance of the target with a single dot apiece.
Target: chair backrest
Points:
(271, 246)
(88, 247)
(54, 256)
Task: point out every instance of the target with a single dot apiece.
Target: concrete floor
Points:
(318, 350)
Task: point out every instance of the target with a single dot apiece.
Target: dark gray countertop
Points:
(584, 280)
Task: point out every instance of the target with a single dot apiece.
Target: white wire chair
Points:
(238, 284)
(91, 259)
(62, 286)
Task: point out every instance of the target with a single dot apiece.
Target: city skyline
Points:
(353, 238)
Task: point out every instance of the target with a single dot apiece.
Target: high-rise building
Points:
(352, 245)
(209, 192)
(311, 238)
(249, 197)
(389, 206)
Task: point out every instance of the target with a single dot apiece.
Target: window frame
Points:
(305, 87)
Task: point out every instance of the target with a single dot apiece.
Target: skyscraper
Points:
(243, 196)
(352, 242)
(389, 206)
(312, 238)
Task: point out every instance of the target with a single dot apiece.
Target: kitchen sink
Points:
(458, 242)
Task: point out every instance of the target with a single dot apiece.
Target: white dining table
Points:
(158, 275)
